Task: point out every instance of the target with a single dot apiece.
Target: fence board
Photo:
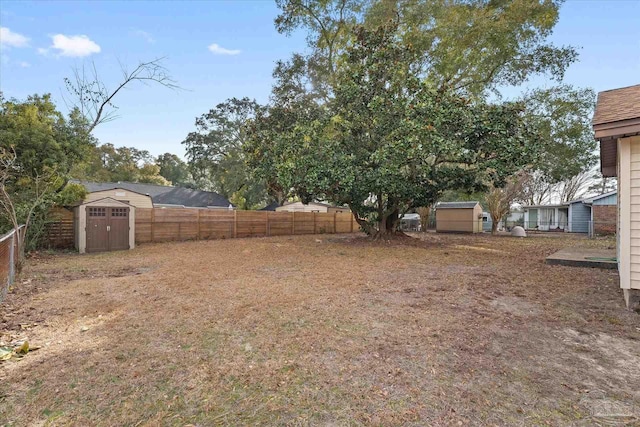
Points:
(60, 231)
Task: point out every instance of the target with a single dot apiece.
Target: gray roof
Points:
(271, 206)
(456, 205)
(163, 194)
(588, 200)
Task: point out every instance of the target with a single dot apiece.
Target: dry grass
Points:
(462, 330)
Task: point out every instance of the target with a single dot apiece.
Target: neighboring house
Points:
(594, 215)
(604, 213)
(546, 217)
(311, 207)
(514, 218)
(151, 195)
(105, 219)
(616, 123)
(458, 217)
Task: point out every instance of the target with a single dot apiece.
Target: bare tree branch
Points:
(95, 101)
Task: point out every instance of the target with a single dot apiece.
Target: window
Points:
(97, 212)
(119, 212)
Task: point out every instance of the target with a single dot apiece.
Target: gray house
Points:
(576, 216)
(599, 210)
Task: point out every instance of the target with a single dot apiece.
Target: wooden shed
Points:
(459, 217)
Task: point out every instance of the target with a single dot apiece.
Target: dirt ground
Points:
(321, 330)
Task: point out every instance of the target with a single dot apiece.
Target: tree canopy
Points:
(38, 148)
(215, 153)
(472, 46)
(388, 141)
(107, 163)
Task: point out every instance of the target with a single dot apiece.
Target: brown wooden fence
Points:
(167, 224)
(60, 231)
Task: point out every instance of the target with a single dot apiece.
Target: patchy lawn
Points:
(330, 330)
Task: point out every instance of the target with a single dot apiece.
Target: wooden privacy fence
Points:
(60, 230)
(169, 224)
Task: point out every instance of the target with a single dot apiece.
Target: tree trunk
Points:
(495, 220)
(392, 221)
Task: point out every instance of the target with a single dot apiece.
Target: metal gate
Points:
(107, 229)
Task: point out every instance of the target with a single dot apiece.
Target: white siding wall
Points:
(629, 212)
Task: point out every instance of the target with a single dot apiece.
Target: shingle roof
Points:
(617, 104)
(456, 205)
(163, 194)
(271, 206)
(193, 198)
(147, 189)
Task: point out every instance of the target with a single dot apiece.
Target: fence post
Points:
(198, 231)
(153, 219)
(335, 219)
(314, 223)
(12, 258)
(268, 224)
(293, 223)
(235, 223)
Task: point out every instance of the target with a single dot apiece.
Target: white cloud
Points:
(10, 39)
(74, 46)
(43, 51)
(145, 35)
(24, 64)
(219, 50)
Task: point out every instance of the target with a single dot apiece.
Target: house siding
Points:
(634, 212)
(134, 199)
(580, 217)
(611, 200)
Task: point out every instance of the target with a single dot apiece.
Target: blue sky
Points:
(41, 45)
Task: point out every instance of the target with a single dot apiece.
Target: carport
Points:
(104, 225)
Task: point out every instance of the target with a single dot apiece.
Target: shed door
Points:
(97, 234)
(118, 229)
(107, 229)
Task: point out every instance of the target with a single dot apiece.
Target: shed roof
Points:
(456, 205)
(163, 194)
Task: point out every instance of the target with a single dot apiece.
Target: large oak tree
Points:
(388, 140)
